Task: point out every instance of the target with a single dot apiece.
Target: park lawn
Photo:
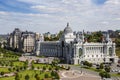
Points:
(8, 78)
(97, 70)
(4, 69)
(42, 65)
(18, 63)
(8, 59)
(32, 73)
(93, 69)
(115, 75)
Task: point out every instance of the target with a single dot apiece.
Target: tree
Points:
(10, 69)
(56, 68)
(26, 63)
(27, 77)
(94, 37)
(101, 66)
(68, 68)
(32, 62)
(38, 67)
(52, 73)
(37, 77)
(56, 75)
(107, 69)
(14, 68)
(117, 41)
(17, 77)
(46, 75)
(24, 67)
(55, 62)
(2, 73)
(86, 63)
(33, 67)
(21, 68)
(17, 69)
(11, 64)
(50, 68)
(90, 64)
(44, 68)
(101, 74)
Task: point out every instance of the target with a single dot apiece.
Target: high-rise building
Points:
(22, 40)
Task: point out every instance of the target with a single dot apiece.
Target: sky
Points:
(52, 15)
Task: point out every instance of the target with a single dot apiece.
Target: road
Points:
(74, 67)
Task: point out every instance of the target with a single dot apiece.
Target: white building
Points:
(22, 40)
(74, 49)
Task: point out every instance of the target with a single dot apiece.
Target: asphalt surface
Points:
(113, 67)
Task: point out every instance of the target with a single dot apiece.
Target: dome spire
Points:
(67, 29)
(67, 24)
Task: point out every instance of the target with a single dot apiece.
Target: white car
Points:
(106, 79)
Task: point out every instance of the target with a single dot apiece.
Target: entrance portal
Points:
(112, 60)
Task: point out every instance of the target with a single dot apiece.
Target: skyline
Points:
(52, 15)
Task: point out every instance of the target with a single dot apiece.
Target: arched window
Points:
(63, 44)
(80, 52)
(72, 52)
(110, 51)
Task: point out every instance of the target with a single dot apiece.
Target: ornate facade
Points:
(74, 49)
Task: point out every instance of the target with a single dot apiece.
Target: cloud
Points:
(52, 15)
(47, 9)
(3, 13)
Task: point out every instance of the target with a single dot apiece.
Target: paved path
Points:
(76, 75)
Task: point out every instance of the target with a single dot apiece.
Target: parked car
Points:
(118, 61)
(118, 65)
(106, 79)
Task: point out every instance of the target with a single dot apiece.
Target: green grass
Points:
(115, 75)
(4, 69)
(97, 70)
(8, 78)
(8, 59)
(93, 69)
(41, 65)
(18, 63)
(32, 73)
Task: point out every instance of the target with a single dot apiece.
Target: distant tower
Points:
(83, 37)
(78, 37)
(108, 38)
(67, 24)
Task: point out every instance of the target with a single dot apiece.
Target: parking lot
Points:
(115, 68)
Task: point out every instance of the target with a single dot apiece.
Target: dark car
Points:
(118, 65)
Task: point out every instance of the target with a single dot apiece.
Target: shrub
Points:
(104, 74)
(101, 66)
(86, 63)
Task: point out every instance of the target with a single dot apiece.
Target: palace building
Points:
(75, 49)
